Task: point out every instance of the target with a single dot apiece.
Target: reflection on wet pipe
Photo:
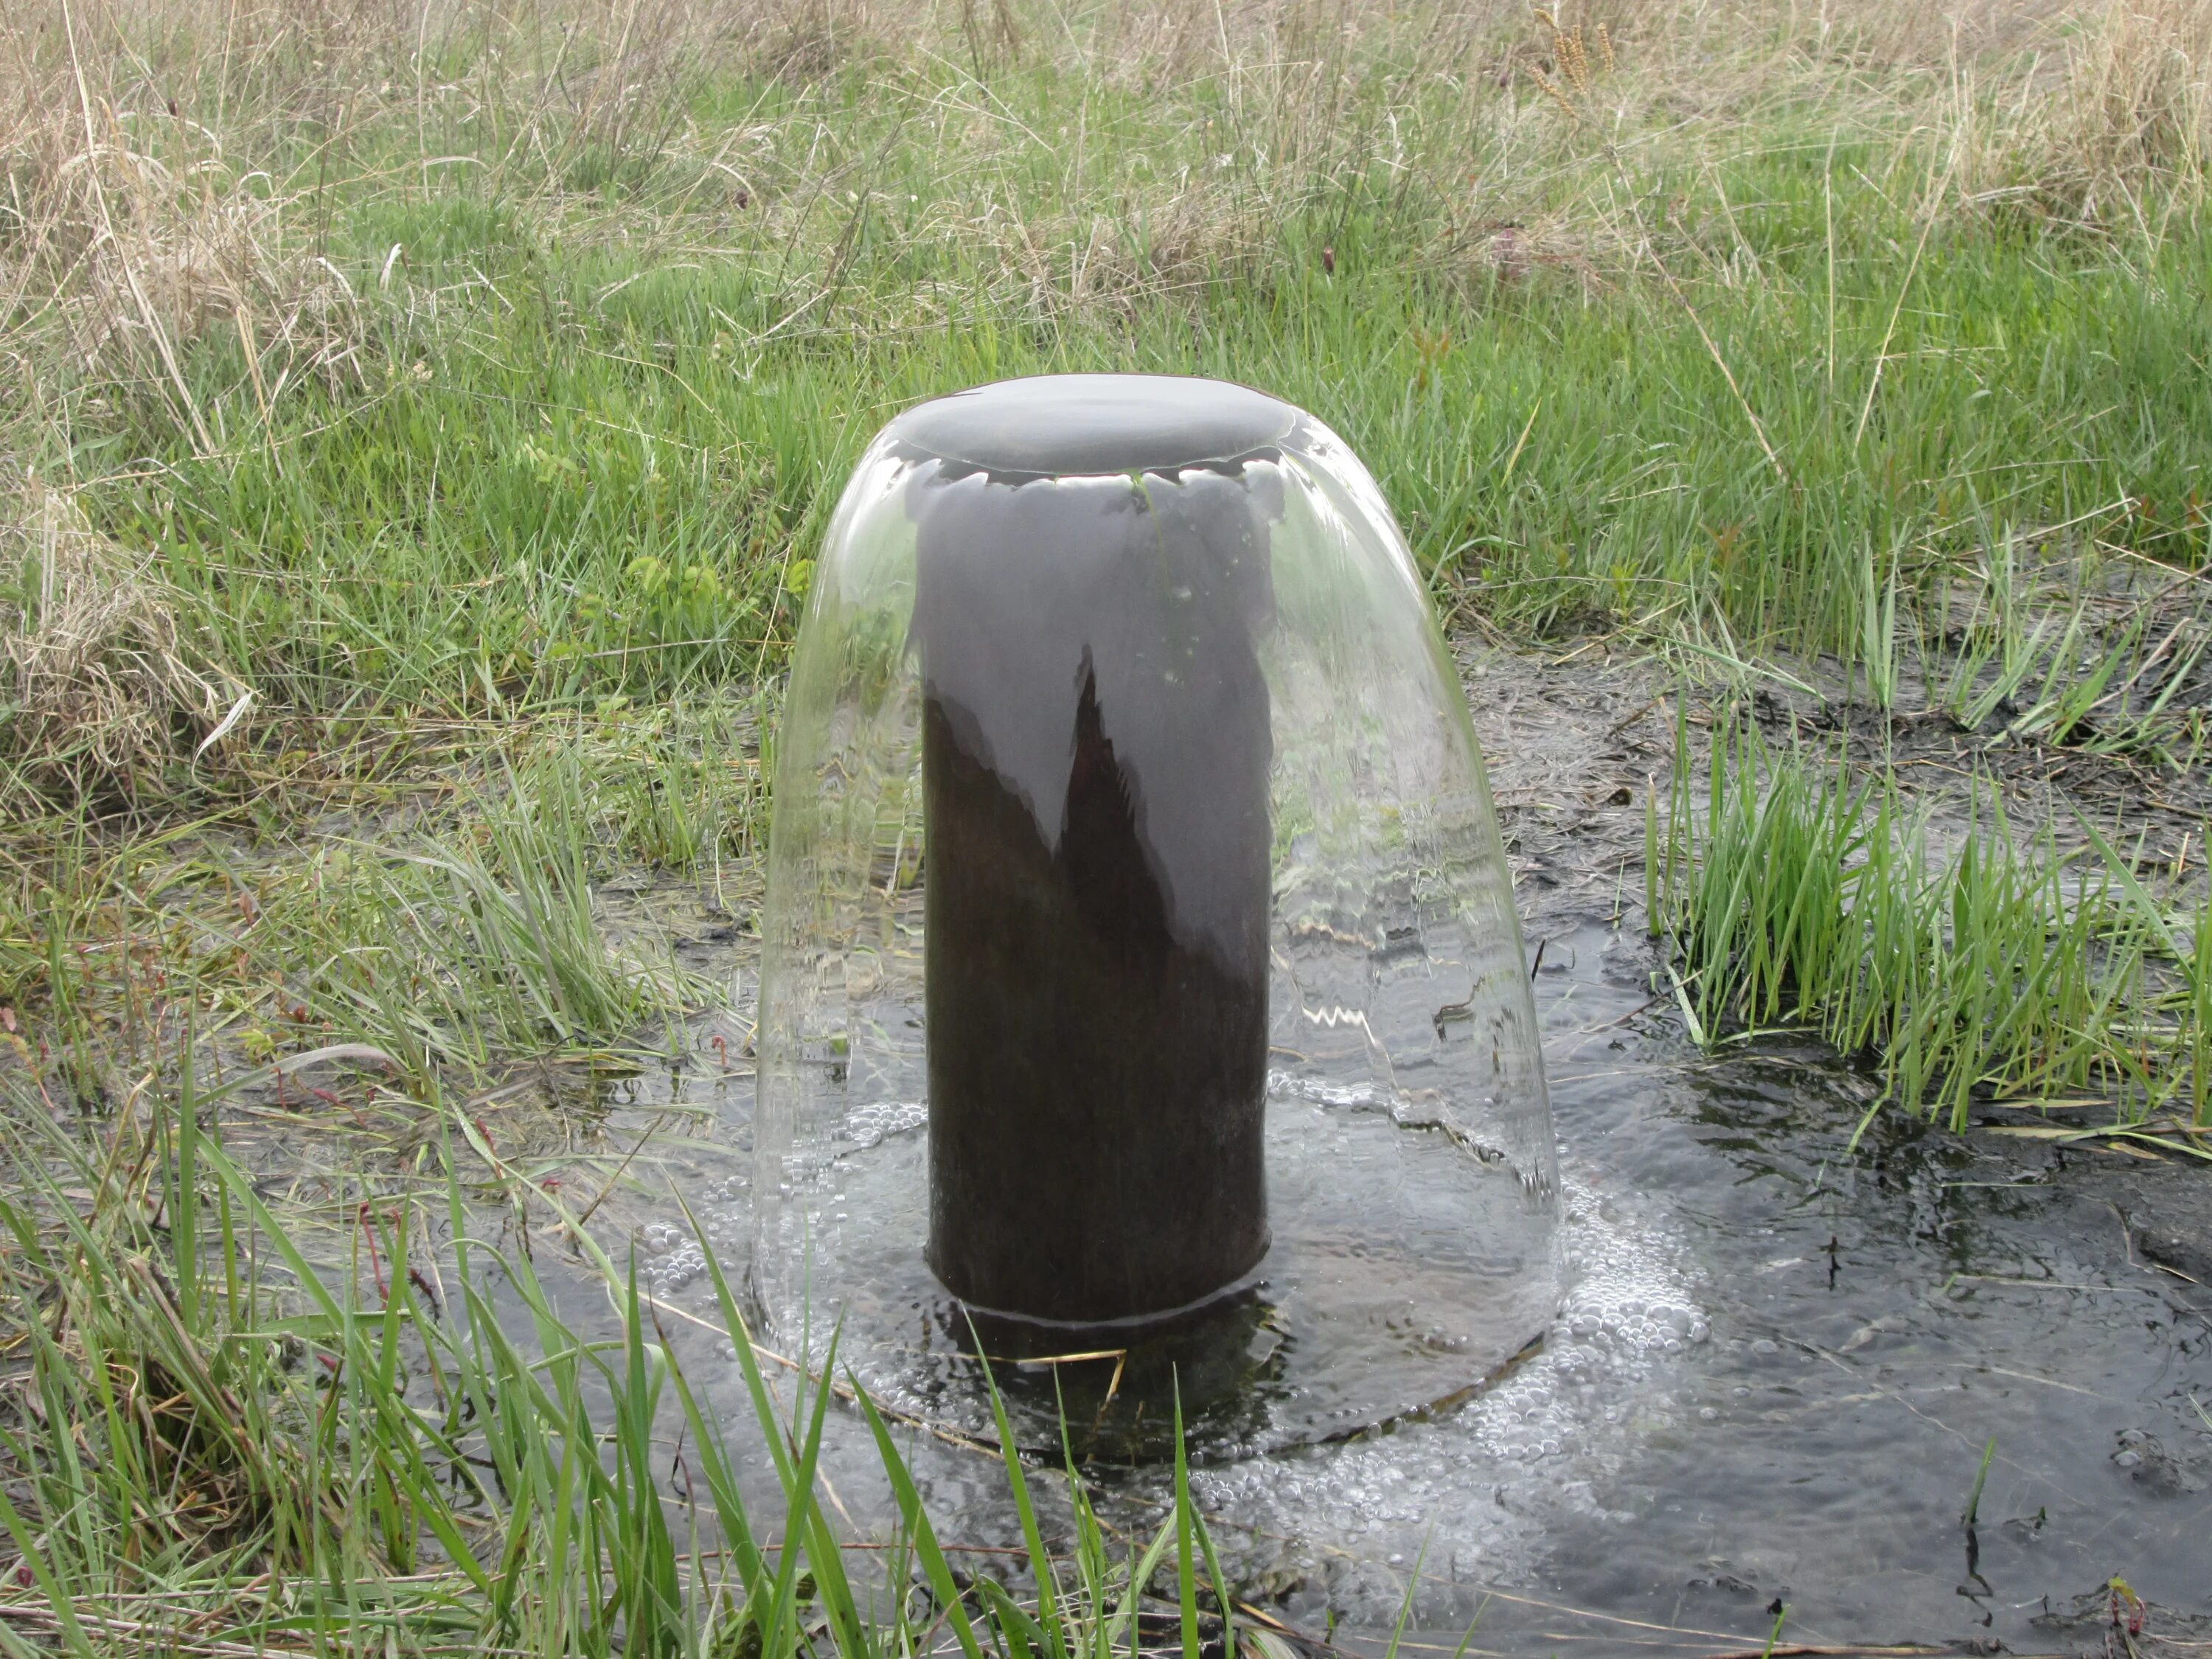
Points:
(1095, 758)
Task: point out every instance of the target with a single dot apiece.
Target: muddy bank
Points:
(1575, 740)
(2164, 1202)
(1567, 732)
(1782, 1355)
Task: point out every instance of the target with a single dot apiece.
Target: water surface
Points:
(1778, 1369)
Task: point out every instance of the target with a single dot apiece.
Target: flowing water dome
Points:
(1142, 979)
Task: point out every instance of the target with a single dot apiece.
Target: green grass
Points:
(551, 421)
(228, 1446)
(547, 495)
(1793, 894)
(452, 928)
(416, 436)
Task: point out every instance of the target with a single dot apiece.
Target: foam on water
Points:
(1476, 1485)
(872, 1124)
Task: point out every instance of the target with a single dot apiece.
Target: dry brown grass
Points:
(156, 188)
(2136, 105)
(108, 696)
(138, 258)
(167, 167)
(128, 228)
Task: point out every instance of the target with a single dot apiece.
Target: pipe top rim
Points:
(1091, 425)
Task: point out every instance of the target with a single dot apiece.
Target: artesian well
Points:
(1142, 978)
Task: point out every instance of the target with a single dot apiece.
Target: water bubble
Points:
(871, 1124)
(677, 1269)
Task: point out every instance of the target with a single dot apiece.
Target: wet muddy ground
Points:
(1571, 748)
(1781, 1361)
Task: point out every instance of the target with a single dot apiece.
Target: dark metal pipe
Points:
(1096, 755)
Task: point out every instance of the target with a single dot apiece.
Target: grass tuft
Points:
(207, 1429)
(1793, 894)
(111, 703)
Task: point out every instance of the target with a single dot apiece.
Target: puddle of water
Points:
(1868, 1323)
(1775, 1373)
